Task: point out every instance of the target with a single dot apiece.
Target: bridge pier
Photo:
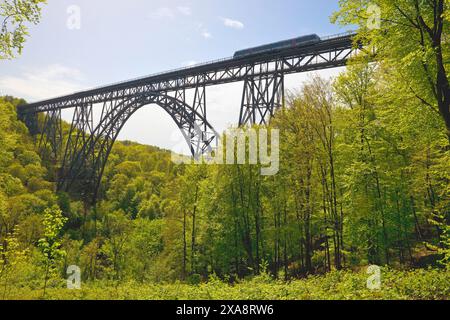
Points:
(199, 133)
(51, 136)
(81, 129)
(31, 121)
(263, 95)
(199, 104)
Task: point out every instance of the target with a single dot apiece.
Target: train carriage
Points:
(286, 44)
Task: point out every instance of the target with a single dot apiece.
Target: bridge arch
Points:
(82, 169)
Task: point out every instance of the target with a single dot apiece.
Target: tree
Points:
(308, 141)
(145, 245)
(10, 256)
(50, 245)
(419, 60)
(362, 179)
(116, 230)
(15, 14)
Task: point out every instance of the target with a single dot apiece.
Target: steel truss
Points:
(50, 143)
(262, 96)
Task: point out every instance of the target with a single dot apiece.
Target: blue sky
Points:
(120, 40)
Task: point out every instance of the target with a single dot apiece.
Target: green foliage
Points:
(10, 260)
(13, 16)
(417, 63)
(342, 285)
(50, 244)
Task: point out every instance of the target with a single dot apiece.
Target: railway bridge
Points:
(82, 154)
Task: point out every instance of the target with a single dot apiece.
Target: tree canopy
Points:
(14, 17)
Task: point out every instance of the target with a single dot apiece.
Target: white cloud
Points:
(163, 13)
(206, 34)
(186, 11)
(203, 31)
(234, 24)
(43, 83)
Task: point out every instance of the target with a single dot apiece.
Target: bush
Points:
(339, 285)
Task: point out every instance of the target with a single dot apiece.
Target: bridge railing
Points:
(339, 35)
(166, 72)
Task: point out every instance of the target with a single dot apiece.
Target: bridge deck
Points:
(330, 52)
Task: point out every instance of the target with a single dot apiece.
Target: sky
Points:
(113, 41)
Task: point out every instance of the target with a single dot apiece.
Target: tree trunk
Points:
(193, 241)
(184, 245)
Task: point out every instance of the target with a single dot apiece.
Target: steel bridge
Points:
(81, 156)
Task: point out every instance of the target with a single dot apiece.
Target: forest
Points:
(364, 179)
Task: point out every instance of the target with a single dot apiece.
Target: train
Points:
(281, 45)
